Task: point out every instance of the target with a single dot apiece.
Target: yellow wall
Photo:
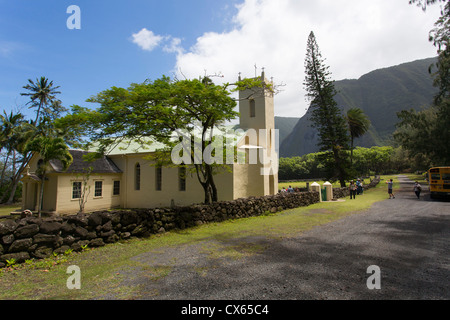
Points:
(148, 196)
(65, 203)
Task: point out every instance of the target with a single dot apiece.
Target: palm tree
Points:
(8, 124)
(15, 133)
(42, 93)
(9, 127)
(49, 148)
(358, 125)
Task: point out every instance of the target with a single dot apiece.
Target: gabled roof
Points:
(79, 165)
(149, 145)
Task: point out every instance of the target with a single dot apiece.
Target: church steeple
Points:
(256, 106)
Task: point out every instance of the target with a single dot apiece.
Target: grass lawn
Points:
(417, 177)
(103, 269)
(302, 184)
(6, 210)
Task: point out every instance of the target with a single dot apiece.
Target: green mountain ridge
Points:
(380, 94)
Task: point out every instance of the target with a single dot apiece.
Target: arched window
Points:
(137, 177)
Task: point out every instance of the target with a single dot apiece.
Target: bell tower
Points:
(256, 108)
(260, 143)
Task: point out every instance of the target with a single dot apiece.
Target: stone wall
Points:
(33, 237)
(345, 192)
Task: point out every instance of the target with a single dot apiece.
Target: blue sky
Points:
(35, 42)
(121, 42)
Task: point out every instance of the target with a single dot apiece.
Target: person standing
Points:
(358, 186)
(417, 189)
(352, 189)
(390, 184)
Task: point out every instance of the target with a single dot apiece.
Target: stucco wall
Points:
(65, 203)
(170, 193)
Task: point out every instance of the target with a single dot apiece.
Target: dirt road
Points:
(406, 238)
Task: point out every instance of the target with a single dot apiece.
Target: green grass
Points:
(302, 184)
(5, 210)
(417, 177)
(105, 269)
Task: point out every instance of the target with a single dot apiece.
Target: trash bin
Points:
(315, 187)
(328, 191)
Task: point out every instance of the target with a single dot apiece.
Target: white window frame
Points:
(95, 189)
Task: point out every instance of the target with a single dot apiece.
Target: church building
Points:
(126, 178)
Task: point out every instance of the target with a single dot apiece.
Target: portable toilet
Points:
(328, 191)
(315, 187)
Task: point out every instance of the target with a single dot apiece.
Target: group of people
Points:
(417, 189)
(290, 189)
(356, 188)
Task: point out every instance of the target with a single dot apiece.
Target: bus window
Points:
(446, 176)
(435, 176)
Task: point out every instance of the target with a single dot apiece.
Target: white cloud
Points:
(146, 39)
(174, 46)
(355, 36)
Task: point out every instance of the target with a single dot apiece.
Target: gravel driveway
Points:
(405, 237)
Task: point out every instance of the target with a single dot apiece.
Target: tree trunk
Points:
(16, 178)
(4, 168)
(212, 185)
(351, 153)
(207, 191)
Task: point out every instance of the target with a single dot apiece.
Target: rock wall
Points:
(33, 237)
(345, 192)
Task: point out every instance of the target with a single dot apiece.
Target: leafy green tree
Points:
(42, 95)
(15, 132)
(326, 115)
(358, 125)
(8, 140)
(49, 148)
(154, 110)
(427, 132)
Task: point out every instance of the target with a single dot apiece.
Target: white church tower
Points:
(259, 176)
(256, 107)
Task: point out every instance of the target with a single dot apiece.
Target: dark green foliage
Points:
(427, 132)
(358, 125)
(367, 161)
(21, 137)
(325, 115)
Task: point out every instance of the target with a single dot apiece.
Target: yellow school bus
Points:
(439, 181)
